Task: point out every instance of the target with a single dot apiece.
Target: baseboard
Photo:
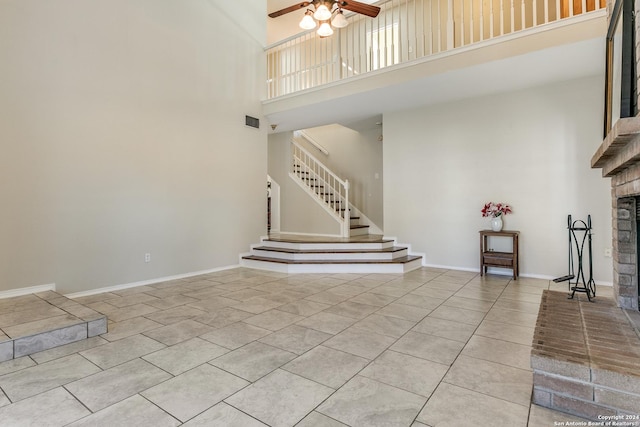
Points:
(26, 291)
(450, 267)
(147, 282)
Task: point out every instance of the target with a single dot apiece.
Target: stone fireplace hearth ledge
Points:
(585, 357)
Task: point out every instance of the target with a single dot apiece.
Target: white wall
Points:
(122, 133)
(530, 148)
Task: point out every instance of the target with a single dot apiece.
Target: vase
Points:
(496, 223)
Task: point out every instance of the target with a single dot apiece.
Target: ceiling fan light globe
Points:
(325, 30)
(322, 13)
(339, 21)
(308, 23)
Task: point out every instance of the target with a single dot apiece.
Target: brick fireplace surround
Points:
(586, 355)
(619, 158)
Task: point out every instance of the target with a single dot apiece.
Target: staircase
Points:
(324, 186)
(289, 253)
(325, 194)
(354, 251)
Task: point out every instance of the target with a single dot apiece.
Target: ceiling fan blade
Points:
(358, 7)
(293, 8)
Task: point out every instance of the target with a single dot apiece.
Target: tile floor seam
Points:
(157, 406)
(238, 376)
(476, 391)
(460, 352)
(315, 408)
(292, 373)
(79, 401)
(226, 403)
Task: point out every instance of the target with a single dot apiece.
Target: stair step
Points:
(328, 254)
(398, 265)
(365, 242)
(400, 260)
(70, 322)
(330, 251)
(295, 253)
(358, 230)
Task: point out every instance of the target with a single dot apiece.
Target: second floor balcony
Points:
(408, 32)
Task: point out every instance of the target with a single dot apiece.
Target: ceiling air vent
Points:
(252, 122)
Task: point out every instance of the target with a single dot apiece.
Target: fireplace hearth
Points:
(574, 367)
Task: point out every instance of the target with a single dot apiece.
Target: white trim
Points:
(449, 267)
(504, 272)
(26, 291)
(147, 282)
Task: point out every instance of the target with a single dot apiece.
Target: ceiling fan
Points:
(328, 13)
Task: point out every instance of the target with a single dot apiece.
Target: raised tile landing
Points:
(37, 322)
(361, 254)
(586, 358)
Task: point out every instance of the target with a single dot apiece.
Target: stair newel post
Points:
(346, 224)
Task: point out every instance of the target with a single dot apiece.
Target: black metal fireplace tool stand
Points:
(579, 234)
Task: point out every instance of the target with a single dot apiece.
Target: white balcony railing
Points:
(405, 30)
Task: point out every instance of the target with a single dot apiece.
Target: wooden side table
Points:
(490, 258)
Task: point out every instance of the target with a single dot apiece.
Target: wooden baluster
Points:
(502, 17)
(513, 17)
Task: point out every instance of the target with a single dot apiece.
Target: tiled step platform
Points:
(289, 253)
(586, 358)
(37, 322)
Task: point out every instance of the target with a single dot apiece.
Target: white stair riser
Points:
(333, 268)
(359, 231)
(262, 265)
(324, 246)
(329, 256)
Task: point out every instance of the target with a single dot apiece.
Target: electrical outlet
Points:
(147, 257)
(607, 252)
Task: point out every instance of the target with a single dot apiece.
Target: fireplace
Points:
(619, 158)
(625, 251)
(619, 154)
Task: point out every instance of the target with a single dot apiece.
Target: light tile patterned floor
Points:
(252, 348)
